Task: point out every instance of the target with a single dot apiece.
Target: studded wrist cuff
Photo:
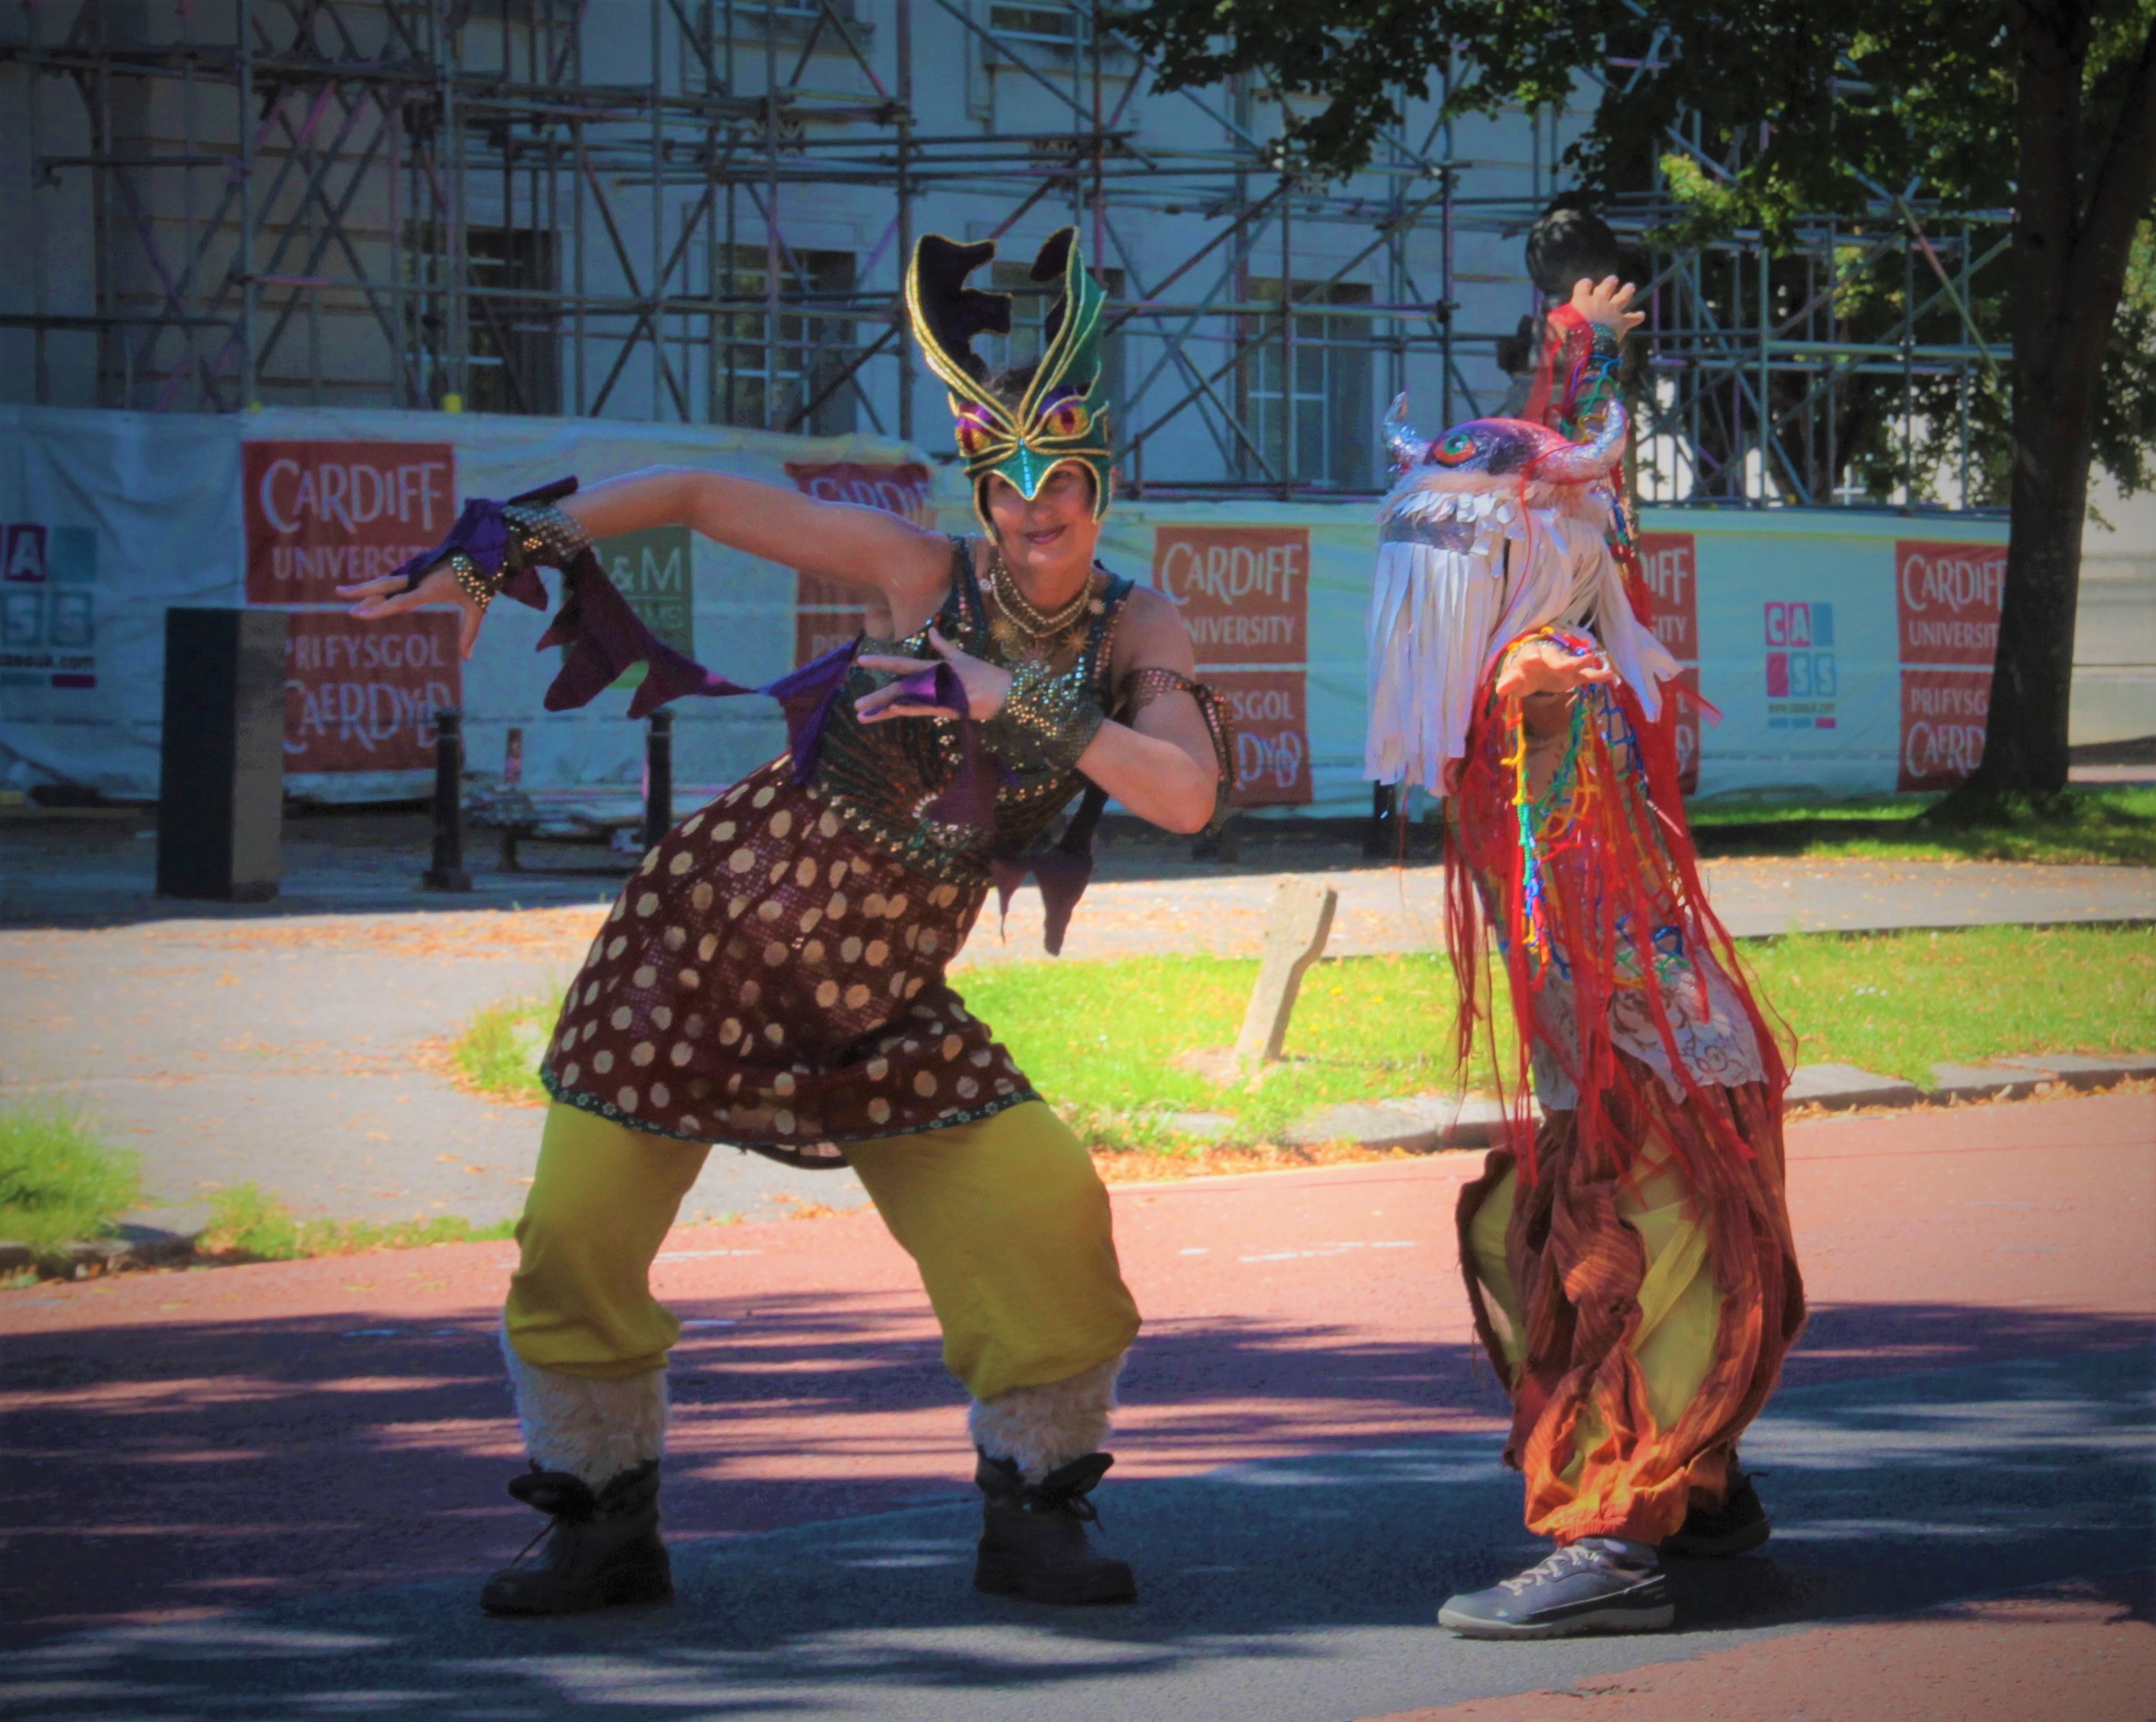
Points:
(1047, 720)
(473, 581)
(540, 536)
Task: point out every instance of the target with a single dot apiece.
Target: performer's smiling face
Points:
(1051, 538)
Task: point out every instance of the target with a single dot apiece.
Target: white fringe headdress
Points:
(1496, 528)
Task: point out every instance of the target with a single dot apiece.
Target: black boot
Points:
(602, 1548)
(1737, 1526)
(1033, 1535)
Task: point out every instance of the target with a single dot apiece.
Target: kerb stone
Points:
(1838, 1086)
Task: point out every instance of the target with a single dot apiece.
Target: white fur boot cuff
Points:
(594, 1430)
(1044, 1428)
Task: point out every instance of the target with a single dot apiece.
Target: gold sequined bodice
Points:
(882, 779)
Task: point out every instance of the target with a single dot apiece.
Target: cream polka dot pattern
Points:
(824, 1038)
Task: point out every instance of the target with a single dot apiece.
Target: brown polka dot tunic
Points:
(771, 977)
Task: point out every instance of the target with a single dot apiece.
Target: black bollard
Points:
(659, 778)
(1381, 839)
(448, 873)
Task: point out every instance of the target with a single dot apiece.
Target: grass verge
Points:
(2113, 826)
(248, 1224)
(59, 1182)
(1101, 1039)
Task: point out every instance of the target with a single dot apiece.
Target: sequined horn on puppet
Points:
(1402, 445)
(1584, 462)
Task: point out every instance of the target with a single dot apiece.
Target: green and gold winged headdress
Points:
(1060, 419)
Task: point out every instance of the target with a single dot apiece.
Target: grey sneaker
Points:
(1598, 1584)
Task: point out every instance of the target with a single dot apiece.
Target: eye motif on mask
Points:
(976, 433)
(1067, 417)
(1454, 450)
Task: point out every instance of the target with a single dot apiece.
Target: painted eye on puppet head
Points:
(1067, 417)
(1453, 450)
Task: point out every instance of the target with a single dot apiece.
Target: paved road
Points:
(279, 1047)
(311, 1452)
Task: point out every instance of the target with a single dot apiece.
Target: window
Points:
(1030, 303)
(1038, 21)
(793, 377)
(513, 363)
(1315, 428)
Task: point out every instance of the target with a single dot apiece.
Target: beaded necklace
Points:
(1022, 632)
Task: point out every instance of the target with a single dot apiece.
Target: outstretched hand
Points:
(1541, 668)
(1608, 302)
(986, 686)
(387, 596)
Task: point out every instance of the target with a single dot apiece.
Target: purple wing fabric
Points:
(1062, 878)
(808, 696)
(605, 636)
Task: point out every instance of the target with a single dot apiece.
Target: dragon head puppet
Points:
(1056, 417)
(1496, 528)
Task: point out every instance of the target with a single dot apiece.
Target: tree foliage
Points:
(1761, 113)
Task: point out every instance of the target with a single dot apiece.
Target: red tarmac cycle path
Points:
(173, 1442)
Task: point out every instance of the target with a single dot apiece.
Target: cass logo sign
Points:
(827, 615)
(319, 515)
(362, 696)
(1243, 593)
(1948, 597)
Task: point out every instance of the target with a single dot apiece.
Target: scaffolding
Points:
(611, 208)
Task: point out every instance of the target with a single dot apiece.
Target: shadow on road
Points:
(339, 1487)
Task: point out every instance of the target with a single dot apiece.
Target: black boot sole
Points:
(1692, 1546)
(622, 1590)
(992, 1577)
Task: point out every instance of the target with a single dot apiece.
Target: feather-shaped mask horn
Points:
(1061, 418)
(1402, 444)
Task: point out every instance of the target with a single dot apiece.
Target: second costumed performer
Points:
(1628, 1259)
(772, 978)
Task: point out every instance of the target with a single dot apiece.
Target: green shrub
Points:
(59, 1182)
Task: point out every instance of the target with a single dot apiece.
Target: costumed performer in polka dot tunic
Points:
(772, 977)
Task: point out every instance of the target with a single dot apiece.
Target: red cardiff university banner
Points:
(1244, 593)
(362, 696)
(1670, 563)
(1846, 656)
(1947, 600)
(319, 514)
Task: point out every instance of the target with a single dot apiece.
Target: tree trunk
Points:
(2070, 253)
